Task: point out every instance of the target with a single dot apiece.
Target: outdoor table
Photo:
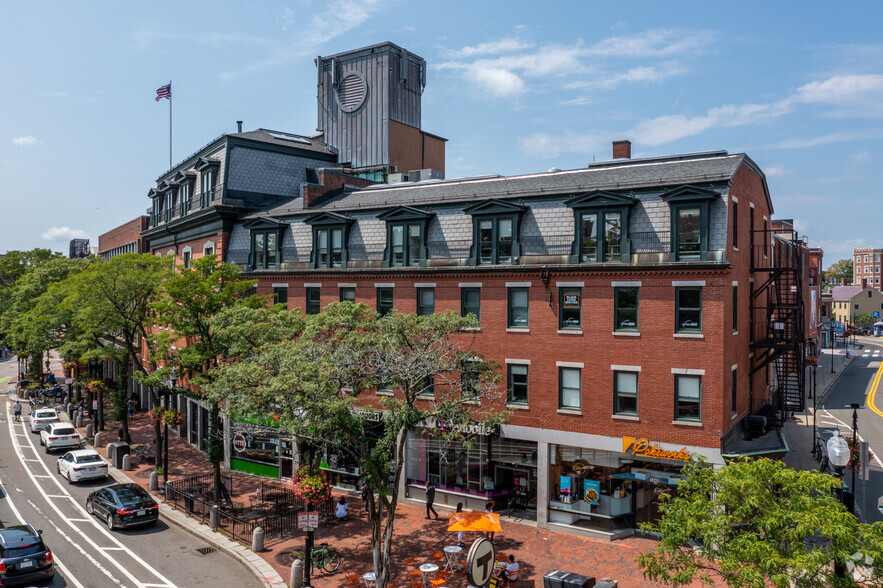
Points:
(452, 553)
(253, 515)
(426, 569)
(370, 579)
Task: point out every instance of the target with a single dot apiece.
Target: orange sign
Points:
(643, 448)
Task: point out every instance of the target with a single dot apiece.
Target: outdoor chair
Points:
(415, 579)
(440, 579)
(353, 580)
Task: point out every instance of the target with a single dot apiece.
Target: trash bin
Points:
(578, 581)
(554, 579)
(607, 583)
(115, 453)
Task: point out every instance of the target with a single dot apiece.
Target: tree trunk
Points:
(216, 450)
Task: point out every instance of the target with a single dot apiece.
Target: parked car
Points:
(59, 436)
(42, 418)
(82, 464)
(23, 556)
(123, 505)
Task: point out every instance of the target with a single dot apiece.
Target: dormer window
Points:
(495, 230)
(330, 235)
(406, 230)
(266, 243)
(185, 182)
(600, 227)
(208, 177)
(689, 221)
(168, 205)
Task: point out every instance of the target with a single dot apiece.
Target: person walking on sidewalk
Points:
(16, 409)
(430, 498)
(461, 534)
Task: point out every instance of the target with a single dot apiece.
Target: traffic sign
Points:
(875, 314)
(239, 443)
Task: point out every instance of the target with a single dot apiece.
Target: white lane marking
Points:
(79, 520)
(112, 548)
(100, 528)
(849, 428)
(41, 475)
(58, 496)
(31, 459)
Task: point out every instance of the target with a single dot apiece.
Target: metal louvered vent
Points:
(206, 550)
(351, 92)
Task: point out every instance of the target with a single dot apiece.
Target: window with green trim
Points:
(184, 196)
(688, 398)
(625, 310)
(406, 240)
(569, 388)
(348, 294)
(384, 300)
(495, 236)
(688, 311)
(688, 230)
(517, 383)
(314, 300)
(470, 302)
(571, 315)
(519, 301)
(264, 249)
(280, 295)
(207, 183)
(625, 393)
(425, 301)
(329, 247)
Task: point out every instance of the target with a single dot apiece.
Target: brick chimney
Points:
(622, 149)
(843, 282)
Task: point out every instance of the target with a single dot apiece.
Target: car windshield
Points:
(46, 414)
(130, 497)
(64, 431)
(91, 458)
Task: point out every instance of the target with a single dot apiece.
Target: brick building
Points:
(125, 238)
(645, 311)
(866, 267)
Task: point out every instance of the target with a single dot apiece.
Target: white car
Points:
(82, 464)
(42, 418)
(60, 436)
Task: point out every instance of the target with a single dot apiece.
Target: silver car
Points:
(82, 464)
(60, 436)
(42, 418)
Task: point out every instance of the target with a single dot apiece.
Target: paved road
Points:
(86, 553)
(859, 384)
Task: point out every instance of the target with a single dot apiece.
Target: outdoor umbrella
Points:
(474, 520)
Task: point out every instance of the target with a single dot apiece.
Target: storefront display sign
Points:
(591, 491)
(565, 484)
(643, 448)
(239, 443)
(571, 300)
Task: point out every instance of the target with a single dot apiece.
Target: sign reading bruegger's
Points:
(643, 448)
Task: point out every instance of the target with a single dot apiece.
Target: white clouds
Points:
(860, 157)
(598, 67)
(544, 145)
(843, 90)
(63, 233)
(776, 170)
(25, 141)
(839, 137)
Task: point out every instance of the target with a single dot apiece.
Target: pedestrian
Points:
(430, 498)
(489, 507)
(16, 409)
(461, 534)
(131, 407)
(510, 573)
(365, 494)
(47, 364)
(343, 509)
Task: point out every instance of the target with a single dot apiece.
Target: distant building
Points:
(79, 248)
(866, 267)
(125, 238)
(850, 301)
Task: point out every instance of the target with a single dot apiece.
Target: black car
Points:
(23, 556)
(123, 505)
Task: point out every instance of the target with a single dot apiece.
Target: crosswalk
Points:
(869, 353)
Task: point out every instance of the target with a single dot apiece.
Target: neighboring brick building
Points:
(866, 267)
(125, 238)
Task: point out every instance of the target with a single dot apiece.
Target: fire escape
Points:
(777, 319)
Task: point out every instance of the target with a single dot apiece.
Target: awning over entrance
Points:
(772, 444)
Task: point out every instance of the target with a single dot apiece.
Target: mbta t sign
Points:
(480, 563)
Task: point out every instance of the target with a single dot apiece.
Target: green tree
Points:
(839, 270)
(863, 320)
(316, 376)
(757, 523)
(190, 298)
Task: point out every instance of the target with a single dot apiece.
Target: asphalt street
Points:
(87, 554)
(859, 384)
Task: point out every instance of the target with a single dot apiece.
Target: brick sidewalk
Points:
(537, 550)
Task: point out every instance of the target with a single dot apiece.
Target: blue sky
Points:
(516, 87)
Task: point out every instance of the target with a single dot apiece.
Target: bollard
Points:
(257, 540)
(127, 463)
(74, 416)
(70, 408)
(98, 438)
(214, 517)
(89, 431)
(297, 574)
(154, 481)
(78, 422)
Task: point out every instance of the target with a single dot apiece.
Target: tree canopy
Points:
(757, 523)
(839, 270)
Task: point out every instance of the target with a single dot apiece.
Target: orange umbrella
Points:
(474, 520)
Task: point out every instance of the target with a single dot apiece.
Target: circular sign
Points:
(239, 442)
(581, 467)
(480, 563)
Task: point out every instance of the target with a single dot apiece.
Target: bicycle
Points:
(823, 466)
(818, 451)
(324, 557)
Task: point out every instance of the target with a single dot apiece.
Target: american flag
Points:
(164, 92)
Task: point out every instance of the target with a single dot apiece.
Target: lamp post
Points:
(854, 408)
(172, 382)
(838, 455)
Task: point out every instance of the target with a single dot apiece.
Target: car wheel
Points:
(69, 479)
(41, 439)
(89, 508)
(48, 451)
(57, 467)
(110, 522)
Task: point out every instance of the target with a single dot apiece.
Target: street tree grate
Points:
(206, 550)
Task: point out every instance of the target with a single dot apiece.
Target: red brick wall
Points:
(124, 234)
(331, 184)
(197, 246)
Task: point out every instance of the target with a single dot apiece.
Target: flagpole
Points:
(170, 124)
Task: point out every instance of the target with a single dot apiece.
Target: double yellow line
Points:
(876, 382)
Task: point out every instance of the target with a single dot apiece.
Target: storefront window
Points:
(450, 465)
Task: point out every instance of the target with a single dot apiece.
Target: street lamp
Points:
(854, 408)
(838, 455)
(171, 383)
